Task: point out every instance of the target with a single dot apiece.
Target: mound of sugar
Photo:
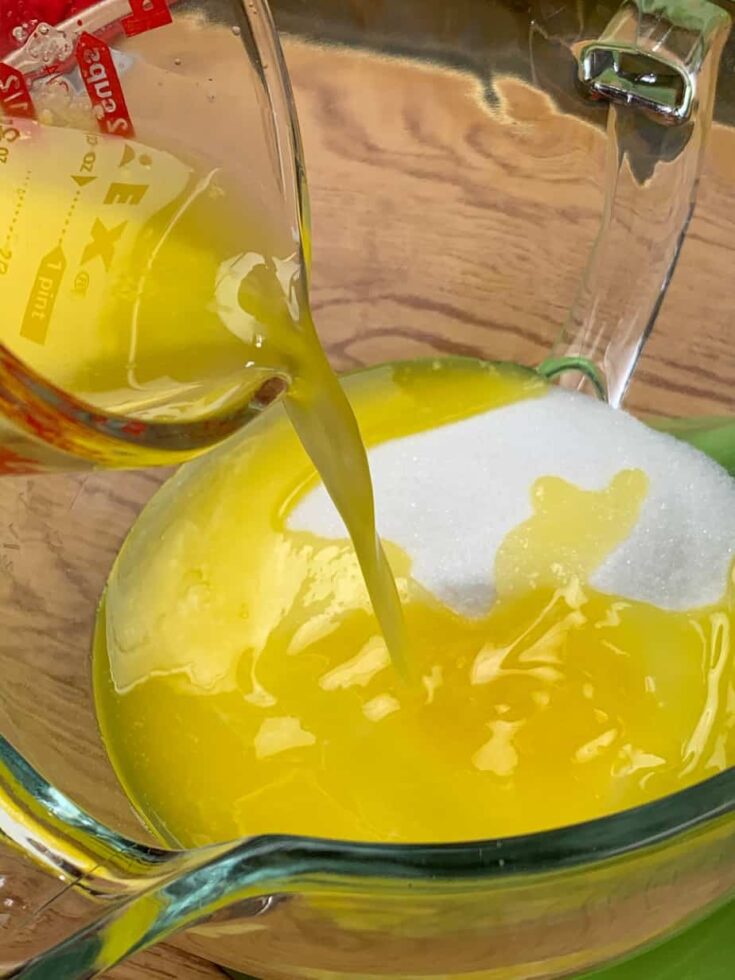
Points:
(448, 497)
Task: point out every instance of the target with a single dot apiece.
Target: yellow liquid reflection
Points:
(243, 686)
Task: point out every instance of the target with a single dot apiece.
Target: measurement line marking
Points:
(21, 192)
(69, 216)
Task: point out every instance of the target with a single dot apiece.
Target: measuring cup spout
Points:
(89, 897)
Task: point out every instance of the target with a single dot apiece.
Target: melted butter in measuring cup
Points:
(111, 247)
(76, 233)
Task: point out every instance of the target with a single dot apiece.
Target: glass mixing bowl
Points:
(456, 174)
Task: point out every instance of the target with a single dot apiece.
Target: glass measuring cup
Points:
(134, 168)
(604, 889)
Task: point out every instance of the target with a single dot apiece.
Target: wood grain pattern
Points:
(165, 963)
(442, 223)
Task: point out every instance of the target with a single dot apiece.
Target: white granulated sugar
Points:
(448, 497)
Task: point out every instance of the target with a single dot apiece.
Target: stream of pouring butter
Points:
(325, 423)
(273, 295)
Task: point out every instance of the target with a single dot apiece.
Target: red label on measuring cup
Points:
(15, 99)
(145, 16)
(103, 86)
(19, 18)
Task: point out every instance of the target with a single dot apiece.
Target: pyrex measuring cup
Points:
(148, 163)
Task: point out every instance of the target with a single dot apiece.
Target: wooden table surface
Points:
(443, 223)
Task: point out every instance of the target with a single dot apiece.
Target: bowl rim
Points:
(708, 805)
(705, 805)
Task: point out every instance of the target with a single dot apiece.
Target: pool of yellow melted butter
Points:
(243, 687)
